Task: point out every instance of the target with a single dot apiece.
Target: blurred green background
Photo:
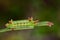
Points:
(44, 10)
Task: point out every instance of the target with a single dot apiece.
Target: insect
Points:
(25, 24)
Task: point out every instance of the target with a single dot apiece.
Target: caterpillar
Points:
(25, 24)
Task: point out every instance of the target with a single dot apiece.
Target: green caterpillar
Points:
(24, 24)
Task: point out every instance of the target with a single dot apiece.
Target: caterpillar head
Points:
(9, 22)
